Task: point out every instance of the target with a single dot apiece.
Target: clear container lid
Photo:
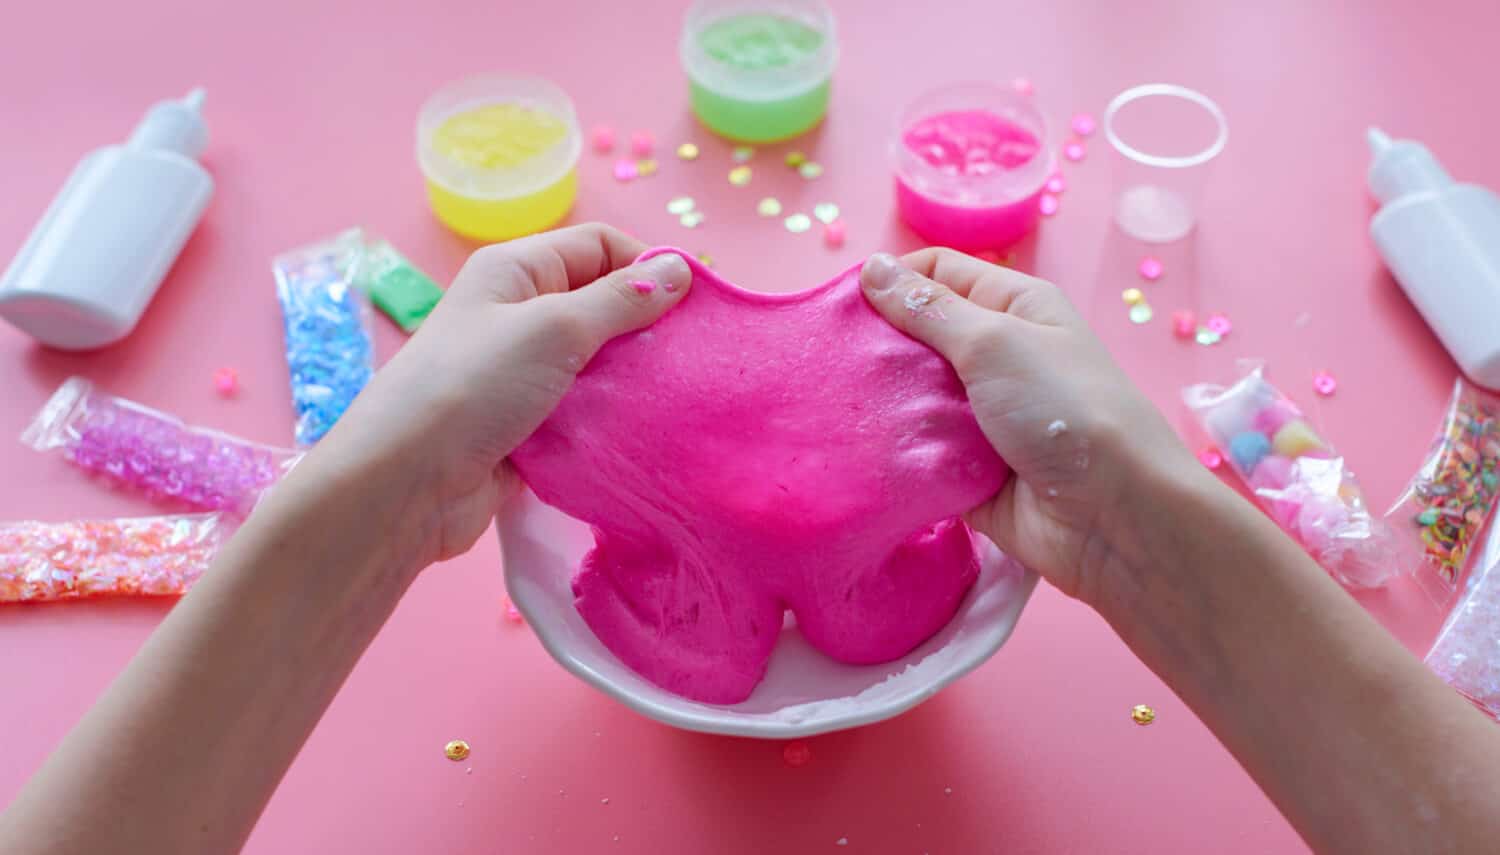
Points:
(759, 51)
(527, 141)
(992, 123)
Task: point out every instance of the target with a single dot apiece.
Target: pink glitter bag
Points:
(140, 557)
(155, 453)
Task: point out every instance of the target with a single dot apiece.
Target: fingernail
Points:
(880, 272)
(670, 270)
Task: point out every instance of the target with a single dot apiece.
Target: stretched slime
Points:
(753, 453)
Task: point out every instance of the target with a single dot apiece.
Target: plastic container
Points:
(85, 275)
(500, 155)
(759, 71)
(1164, 136)
(1441, 241)
(971, 161)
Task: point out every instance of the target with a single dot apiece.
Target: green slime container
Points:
(759, 72)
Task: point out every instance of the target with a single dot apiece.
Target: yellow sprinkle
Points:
(705, 259)
(739, 176)
(456, 750)
(1142, 714)
(769, 207)
(645, 167)
(1131, 296)
(688, 151)
(795, 159)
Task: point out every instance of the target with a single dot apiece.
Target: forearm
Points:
(186, 747)
(1360, 747)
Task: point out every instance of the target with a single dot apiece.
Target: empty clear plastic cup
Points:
(1165, 136)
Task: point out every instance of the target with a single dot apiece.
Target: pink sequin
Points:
(1047, 204)
(833, 234)
(1073, 151)
(1325, 384)
(1083, 124)
(1219, 325)
(1023, 85)
(643, 286)
(642, 144)
(142, 557)
(626, 170)
(1184, 324)
(796, 754)
(1211, 458)
(1150, 268)
(1056, 184)
(603, 138)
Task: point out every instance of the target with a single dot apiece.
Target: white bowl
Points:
(804, 692)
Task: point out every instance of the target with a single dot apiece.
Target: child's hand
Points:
(1081, 438)
(486, 368)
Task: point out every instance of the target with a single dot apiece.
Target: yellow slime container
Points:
(500, 155)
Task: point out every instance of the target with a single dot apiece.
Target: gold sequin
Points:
(644, 167)
(1142, 714)
(456, 750)
(707, 261)
(1131, 296)
(687, 151)
(739, 176)
(795, 159)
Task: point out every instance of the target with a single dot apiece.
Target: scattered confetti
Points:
(456, 750)
(1184, 323)
(769, 207)
(798, 223)
(1206, 337)
(1211, 458)
(796, 754)
(742, 153)
(680, 205)
(645, 166)
(687, 151)
(1150, 268)
(826, 212)
(1219, 324)
(1452, 497)
(1056, 184)
(739, 176)
(1132, 296)
(140, 557)
(691, 219)
(1325, 384)
(833, 234)
(795, 159)
(642, 144)
(1141, 313)
(1083, 124)
(603, 138)
(1023, 86)
(512, 613)
(1073, 151)
(1142, 714)
(810, 170)
(1047, 204)
(226, 382)
(626, 170)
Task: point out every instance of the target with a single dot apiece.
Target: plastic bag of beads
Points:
(154, 453)
(1453, 494)
(1303, 484)
(1467, 651)
(140, 557)
(329, 351)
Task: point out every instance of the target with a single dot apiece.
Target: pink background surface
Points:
(311, 108)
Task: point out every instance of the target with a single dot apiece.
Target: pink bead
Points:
(833, 234)
(1184, 324)
(1056, 184)
(1073, 151)
(1270, 419)
(226, 381)
(603, 138)
(1150, 268)
(512, 613)
(1219, 324)
(642, 144)
(1211, 458)
(626, 170)
(796, 754)
(1083, 124)
(1023, 85)
(1325, 384)
(1048, 204)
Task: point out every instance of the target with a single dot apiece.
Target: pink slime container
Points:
(970, 161)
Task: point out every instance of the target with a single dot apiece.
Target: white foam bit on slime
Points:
(1057, 427)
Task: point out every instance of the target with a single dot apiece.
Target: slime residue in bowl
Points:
(497, 136)
(970, 142)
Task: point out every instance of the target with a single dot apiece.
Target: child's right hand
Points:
(1086, 446)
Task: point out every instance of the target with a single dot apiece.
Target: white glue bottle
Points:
(93, 262)
(1441, 240)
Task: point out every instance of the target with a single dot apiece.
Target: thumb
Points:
(632, 297)
(924, 309)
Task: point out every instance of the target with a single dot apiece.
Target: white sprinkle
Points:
(1057, 427)
(842, 841)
